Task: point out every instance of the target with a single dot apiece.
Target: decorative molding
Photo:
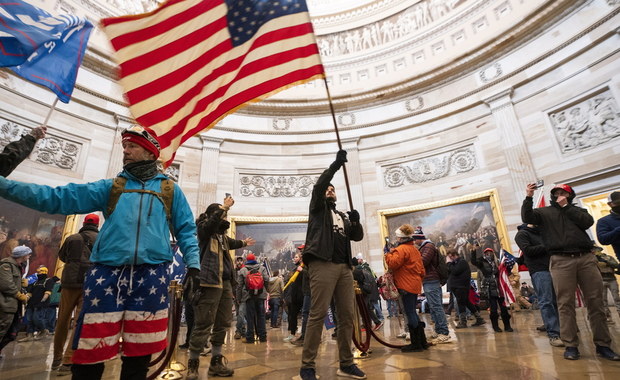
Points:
(431, 168)
(414, 104)
(346, 119)
(490, 72)
(281, 124)
(278, 186)
(587, 122)
(52, 150)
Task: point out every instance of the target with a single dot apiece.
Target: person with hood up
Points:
(275, 288)
(12, 293)
(254, 298)
(608, 227)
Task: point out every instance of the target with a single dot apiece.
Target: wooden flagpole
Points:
(47, 118)
(344, 168)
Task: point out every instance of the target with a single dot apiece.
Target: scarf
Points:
(142, 170)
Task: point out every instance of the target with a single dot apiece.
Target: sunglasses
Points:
(140, 131)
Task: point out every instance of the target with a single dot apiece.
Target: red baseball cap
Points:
(92, 219)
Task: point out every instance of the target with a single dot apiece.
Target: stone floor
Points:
(474, 353)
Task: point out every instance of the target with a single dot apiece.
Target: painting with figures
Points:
(462, 224)
(41, 232)
(276, 242)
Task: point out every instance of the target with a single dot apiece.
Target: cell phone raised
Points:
(540, 183)
(227, 195)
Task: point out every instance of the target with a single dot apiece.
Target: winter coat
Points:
(216, 264)
(459, 274)
(608, 231)
(563, 229)
(274, 287)
(14, 153)
(406, 265)
(75, 254)
(135, 233)
(10, 285)
(37, 290)
(531, 244)
(320, 236)
(430, 255)
(490, 272)
(242, 291)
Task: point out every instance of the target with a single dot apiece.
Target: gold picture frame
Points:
(485, 215)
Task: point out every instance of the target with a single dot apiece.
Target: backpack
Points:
(254, 282)
(388, 288)
(442, 268)
(369, 282)
(166, 196)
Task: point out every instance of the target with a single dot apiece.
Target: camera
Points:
(540, 183)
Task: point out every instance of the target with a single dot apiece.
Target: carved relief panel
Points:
(276, 186)
(430, 168)
(52, 150)
(587, 122)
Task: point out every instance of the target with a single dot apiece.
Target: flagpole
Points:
(344, 168)
(47, 118)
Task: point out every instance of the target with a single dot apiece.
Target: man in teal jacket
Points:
(126, 289)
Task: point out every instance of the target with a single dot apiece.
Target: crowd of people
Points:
(114, 283)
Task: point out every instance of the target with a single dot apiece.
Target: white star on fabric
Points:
(95, 302)
(93, 271)
(152, 272)
(162, 279)
(162, 299)
(108, 291)
(141, 281)
(139, 300)
(115, 271)
(123, 282)
(87, 292)
(100, 280)
(152, 290)
(120, 301)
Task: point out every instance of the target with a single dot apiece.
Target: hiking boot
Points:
(192, 369)
(218, 367)
(555, 341)
(607, 353)
(351, 371)
(44, 334)
(64, 370)
(441, 338)
(56, 364)
(237, 335)
(571, 353)
(307, 374)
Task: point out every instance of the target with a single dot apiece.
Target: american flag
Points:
(506, 263)
(189, 63)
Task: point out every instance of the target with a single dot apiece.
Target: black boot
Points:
(414, 346)
(219, 368)
(422, 336)
(506, 320)
(135, 367)
(462, 321)
(495, 322)
(479, 320)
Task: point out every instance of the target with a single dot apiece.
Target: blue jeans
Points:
(392, 307)
(433, 293)
(378, 311)
(409, 306)
(274, 305)
(241, 318)
(543, 284)
(255, 314)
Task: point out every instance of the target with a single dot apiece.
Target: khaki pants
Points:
(70, 301)
(329, 280)
(212, 316)
(568, 272)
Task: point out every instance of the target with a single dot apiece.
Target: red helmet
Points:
(564, 187)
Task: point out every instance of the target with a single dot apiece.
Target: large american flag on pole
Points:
(190, 63)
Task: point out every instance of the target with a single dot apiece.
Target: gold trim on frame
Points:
(490, 195)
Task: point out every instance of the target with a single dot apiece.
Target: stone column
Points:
(518, 160)
(115, 164)
(208, 171)
(357, 195)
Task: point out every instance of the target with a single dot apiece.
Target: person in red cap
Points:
(563, 228)
(75, 253)
(126, 287)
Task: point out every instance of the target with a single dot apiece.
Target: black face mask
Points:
(223, 226)
(616, 209)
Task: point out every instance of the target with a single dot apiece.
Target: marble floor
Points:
(473, 353)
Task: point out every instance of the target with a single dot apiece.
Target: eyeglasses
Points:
(140, 131)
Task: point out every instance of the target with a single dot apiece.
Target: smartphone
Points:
(540, 183)
(227, 195)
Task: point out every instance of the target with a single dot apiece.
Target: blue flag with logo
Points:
(44, 49)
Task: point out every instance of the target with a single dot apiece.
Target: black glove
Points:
(354, 216)
(191, 282)
(341, 158)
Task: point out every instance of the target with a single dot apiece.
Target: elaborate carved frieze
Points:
(587, 123)
(280, 124)
(279, 186)
(173, 172)
(431, 168)
(400, 25)
(346, 119)
(491, 72)
(414, 104)
(52, 150)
